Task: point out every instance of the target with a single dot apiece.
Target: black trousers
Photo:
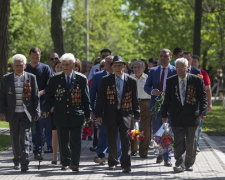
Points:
(19, 132)
(185, 145)
(69, 144)
(112, 133)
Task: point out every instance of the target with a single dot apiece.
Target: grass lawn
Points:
(4, 124)
(214, 124)
(4, 142)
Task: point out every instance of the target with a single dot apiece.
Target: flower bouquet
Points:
(87, 129)
(158, 103)
(164, 137)
(135, 134)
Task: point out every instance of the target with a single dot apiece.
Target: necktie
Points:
(162, 80)
(68, 82)
(183, 90)
(118, 92)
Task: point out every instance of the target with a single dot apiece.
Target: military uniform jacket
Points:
(31, 102)
(107, 100)
(195, 102)
(71, 105)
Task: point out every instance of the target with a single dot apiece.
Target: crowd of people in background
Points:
(114, 94)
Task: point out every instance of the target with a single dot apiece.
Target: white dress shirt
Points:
(165, 76)
(140, 86)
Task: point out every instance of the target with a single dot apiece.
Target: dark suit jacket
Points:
(72, 105)
(95, 86)
(8, 97)
(153, 81)
(195, 71)
(107, 100)
(195, 101)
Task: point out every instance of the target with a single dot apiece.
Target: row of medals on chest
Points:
(75, 94)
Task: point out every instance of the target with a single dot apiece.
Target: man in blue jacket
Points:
(155, 85)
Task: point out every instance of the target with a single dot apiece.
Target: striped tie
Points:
(118, 92)
(183, 90)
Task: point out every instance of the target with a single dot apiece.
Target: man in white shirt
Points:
(144, 101)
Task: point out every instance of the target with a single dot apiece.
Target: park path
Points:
(210, 164)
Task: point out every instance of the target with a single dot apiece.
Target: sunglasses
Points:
(51, 59)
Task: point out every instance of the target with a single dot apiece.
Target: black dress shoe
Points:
(178, 169)
(16, 166)
(159, 159)
(63, 168)
(99, 160)
(93, 149)
(38, 156)
(133, 154)
(126, 170)
(167, 163)
(189, 169)
(24, 168)
(74, 168)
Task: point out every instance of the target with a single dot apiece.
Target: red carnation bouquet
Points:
(87, 129)
(164, 137)
(135, 134)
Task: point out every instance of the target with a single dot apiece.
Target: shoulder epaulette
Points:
(78, 73)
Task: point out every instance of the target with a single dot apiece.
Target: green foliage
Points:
(130, 28)
(29, 26)
(214, 124)
(5, 142)
(4, 124)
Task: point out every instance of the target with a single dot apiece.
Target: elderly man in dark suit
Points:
(19, 102)
(94, 90)
(154, 86)
(117, 99)
(185, 98)
(68, 93)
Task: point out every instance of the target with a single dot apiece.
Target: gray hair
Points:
(19, 57)
(182, 60)
(68, 57)
(139, 62)
(109, 57)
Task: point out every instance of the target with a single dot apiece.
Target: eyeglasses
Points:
(51, 59)
(104, 56)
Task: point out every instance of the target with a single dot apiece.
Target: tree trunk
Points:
(4, 36)
(197, 28)
(56, 26)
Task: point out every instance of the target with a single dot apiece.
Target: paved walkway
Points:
(210, 164)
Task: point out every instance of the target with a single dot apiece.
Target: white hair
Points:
(68, 57)
(19, 57)
(182, 60)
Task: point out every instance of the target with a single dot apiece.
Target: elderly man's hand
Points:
(36, 118)
(42, 92)
(99, 120)
(2, 117)
(202, 117)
